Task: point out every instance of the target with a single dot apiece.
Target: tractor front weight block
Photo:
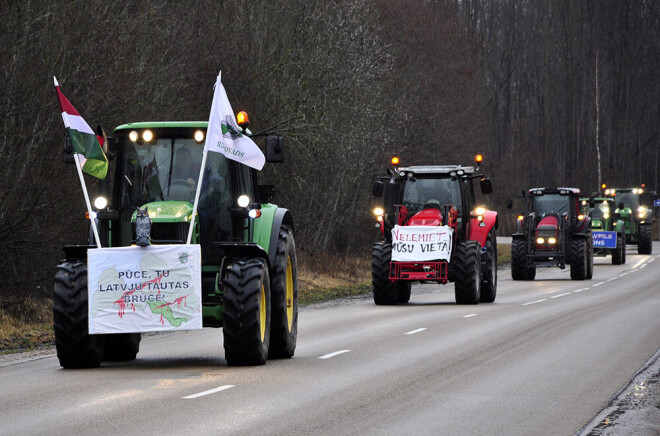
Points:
(436, 271)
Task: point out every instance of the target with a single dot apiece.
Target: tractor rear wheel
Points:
(385, 293)
(579, 259)
(645, 243)
(519, 270)
(76, 348)
(619, 252)
(404, 289)
(489, 284)
(246, 317)
(467, 260)
(284, 298)
(121, 347)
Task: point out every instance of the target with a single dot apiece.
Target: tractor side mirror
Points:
(486, 185)
(274, 149)
(620, 206)
(67, 157)
(377, 190)
(509, 204)
(265, 193)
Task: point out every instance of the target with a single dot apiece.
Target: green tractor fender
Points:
(267, 228)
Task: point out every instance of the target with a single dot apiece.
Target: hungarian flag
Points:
(83, 140)
(224, 136)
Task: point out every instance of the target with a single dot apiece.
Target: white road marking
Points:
(623, 274)
(534, 302)
(580, 290)
(643, 266)
(651, 260)
(412, 332)
(561, 295)
(336, 353)
(613, 278)
(597, 284)
(210, 391)
(635, 266)
(470, 315)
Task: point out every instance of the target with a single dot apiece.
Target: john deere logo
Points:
(183, 257)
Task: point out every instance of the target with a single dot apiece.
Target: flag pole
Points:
(201, 177)
(199, 189)
(92, 218)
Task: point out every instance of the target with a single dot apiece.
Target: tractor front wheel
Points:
(645, 242)
(620, 251)
(489, 284)
(404, 289)
(121, 347)
(385, 292)
(467, 259)
(246, 317)
(579, 259)
(76, 348)
(590, 260)
(284, 297)
(519, 270)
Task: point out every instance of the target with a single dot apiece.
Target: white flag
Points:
(224, 136)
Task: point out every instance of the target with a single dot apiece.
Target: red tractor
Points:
(433, 231)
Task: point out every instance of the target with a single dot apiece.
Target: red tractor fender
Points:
(480, 233)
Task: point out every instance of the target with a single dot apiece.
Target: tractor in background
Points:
(432, 230)
(634, 206)
(608, 232)
(552, 233)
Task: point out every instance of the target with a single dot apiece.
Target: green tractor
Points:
(608, 229)
(248, 255)
(634, 206)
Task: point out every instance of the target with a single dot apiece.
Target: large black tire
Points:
(385, 293)
(284, 298)
(467, 265)
(619, 252)
(579, 259)
(489, 284)
(519, 268)
(645, 243)
(404, 289)
(590, 259)
(76, 348)
(121, 347)
(246, 317)
(624, 249)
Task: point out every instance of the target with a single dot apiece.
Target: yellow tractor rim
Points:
(289, 292)
(262, 313)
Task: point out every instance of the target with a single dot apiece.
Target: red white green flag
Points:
(83, 139)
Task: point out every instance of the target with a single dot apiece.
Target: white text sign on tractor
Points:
(421, 243)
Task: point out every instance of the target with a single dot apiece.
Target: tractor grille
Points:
(436, 271)
(168, 233)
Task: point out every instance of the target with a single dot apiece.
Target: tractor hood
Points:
(426, 217)
(548, 223)
(167, 211)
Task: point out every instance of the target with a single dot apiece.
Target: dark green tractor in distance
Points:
(249, 269)
(608, 230)
(635, 207)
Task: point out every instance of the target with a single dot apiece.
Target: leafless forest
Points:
(555, 92)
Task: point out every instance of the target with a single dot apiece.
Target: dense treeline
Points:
(559, 92)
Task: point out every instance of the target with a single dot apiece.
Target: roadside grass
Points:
(26, 322)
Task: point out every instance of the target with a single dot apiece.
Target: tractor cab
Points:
(608, 230)
(601, 210)
(635, 207)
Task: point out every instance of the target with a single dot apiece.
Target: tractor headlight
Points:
(552, 241)
(641, 212)
(147, 135)
(540, 241)
(378, 211)
(243, 201)
(254, 213)
(480, 210)
(199, 135)
(133, 136)
(100, 202)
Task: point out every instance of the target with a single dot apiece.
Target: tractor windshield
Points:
(421, 193)
(628, 199)
(548, 204)
(166, 170)
(603, 210)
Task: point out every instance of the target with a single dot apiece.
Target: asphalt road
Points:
(545, 358)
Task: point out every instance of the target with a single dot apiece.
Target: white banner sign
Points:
(144, 289)
(421, 243)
